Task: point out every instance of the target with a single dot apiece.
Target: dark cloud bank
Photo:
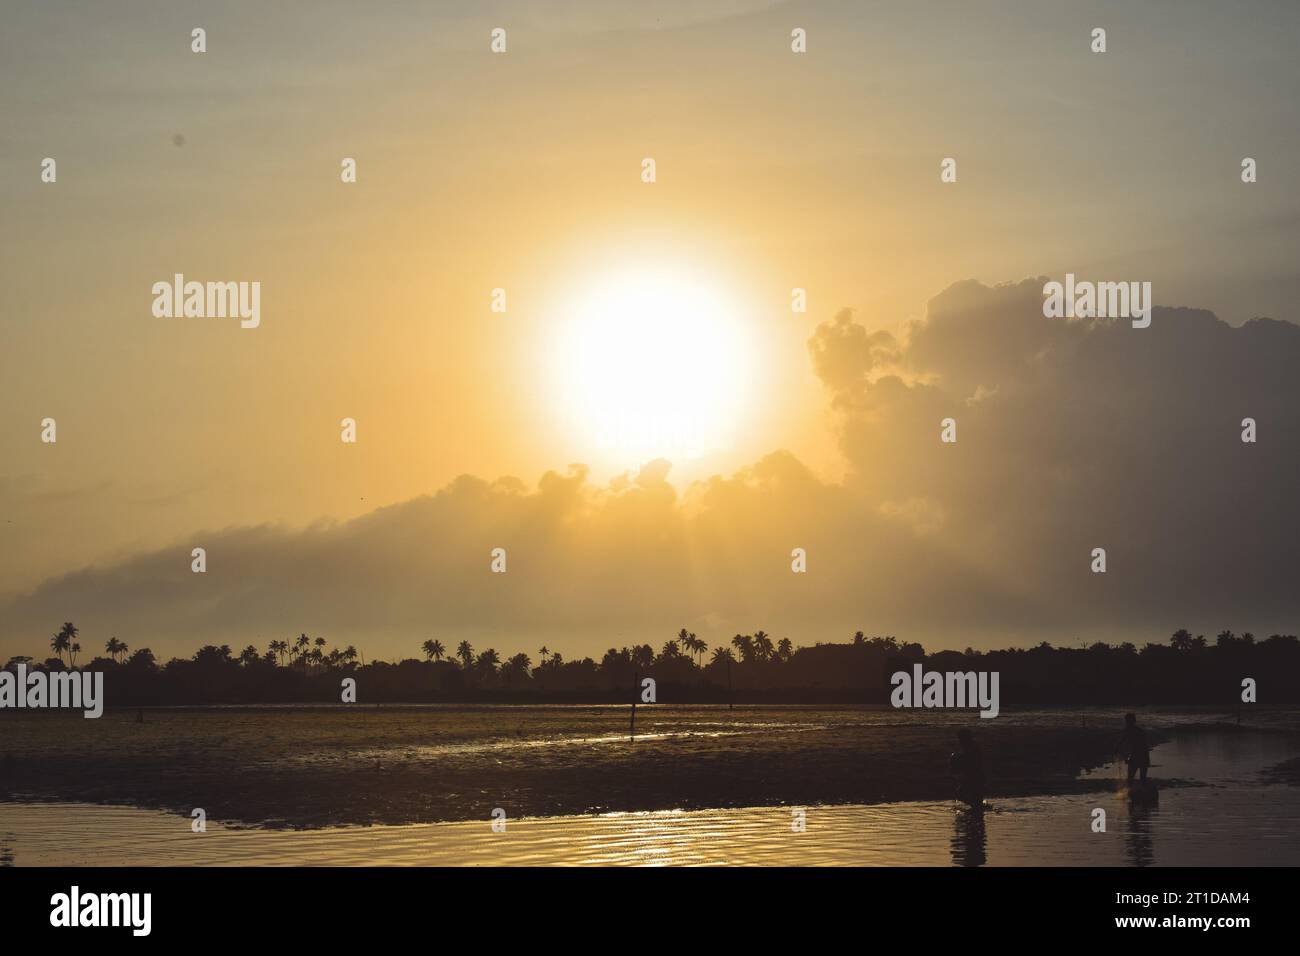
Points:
(1072, 434)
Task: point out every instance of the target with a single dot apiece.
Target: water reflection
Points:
(1139, 843)
(969, 838)
(1218, 815)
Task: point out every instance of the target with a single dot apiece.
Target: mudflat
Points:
(309, 766)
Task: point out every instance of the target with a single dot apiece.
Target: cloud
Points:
(1075, 434)
(1072, 435)
(844, 354)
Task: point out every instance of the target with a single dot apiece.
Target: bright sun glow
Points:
(653, 365)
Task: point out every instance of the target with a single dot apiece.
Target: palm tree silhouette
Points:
(699, 647)
(518, 664)
(762, 646)
(744, 645)
(62, 641)
(489, 660)
(465, 651)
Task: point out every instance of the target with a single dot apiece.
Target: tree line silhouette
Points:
(750, 667)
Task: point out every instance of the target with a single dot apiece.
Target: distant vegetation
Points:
(750, 667)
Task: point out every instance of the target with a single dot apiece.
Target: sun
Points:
(652, 364)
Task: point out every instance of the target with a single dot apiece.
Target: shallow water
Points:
(1223, 816)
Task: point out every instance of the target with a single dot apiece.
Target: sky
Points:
(523, 171)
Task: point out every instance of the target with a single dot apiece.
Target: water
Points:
(1223, 816)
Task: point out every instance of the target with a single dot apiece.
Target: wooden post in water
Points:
(636, 682)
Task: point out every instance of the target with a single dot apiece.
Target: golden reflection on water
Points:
(1227, 818)
(87, 835)
(1041, 831)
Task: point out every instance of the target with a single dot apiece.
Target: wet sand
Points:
(322, 766)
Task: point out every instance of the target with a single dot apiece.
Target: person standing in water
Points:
(968, 768)
(1133, 745)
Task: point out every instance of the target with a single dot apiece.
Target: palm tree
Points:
(301, 645)
(762, 646)
(73, 651)
(518, 664)
(543, 653)
(350, 653)
(489, 659)
(279, 649)
(744, 645)
(465, 651)
(62, 641)
(114, 647)
(248, 655)
(699, 647)
(784, 649)
(721, 655)
(427, 647)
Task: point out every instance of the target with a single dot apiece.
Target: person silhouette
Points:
(1133, 745)
(967, 767)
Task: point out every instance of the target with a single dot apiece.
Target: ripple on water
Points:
(1233, 820)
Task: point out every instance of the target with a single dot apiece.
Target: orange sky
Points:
(522, 171)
